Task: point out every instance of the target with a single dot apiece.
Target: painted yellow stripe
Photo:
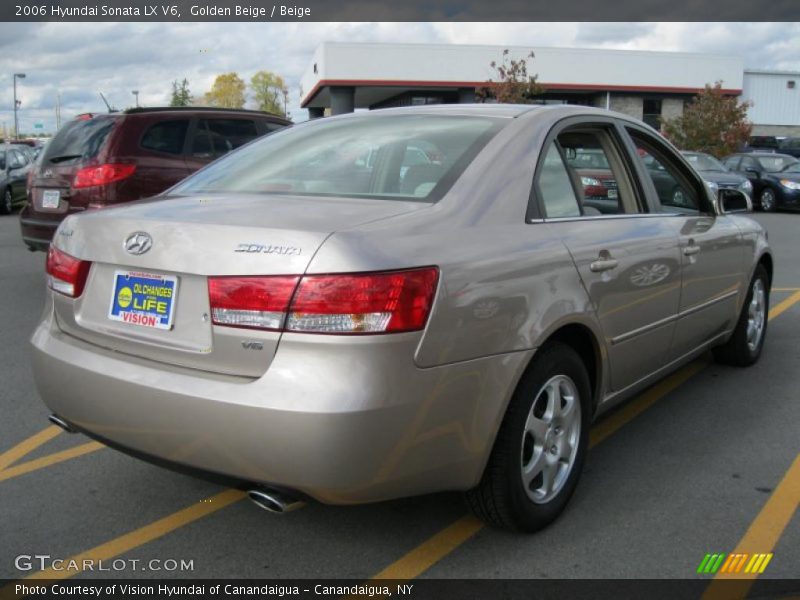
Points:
(763, 534)
(27, 446)
(145, 534)
(50, 459)
(784, 305)
(633, 409)
(432, 550)
(420, 559)
(785, 289)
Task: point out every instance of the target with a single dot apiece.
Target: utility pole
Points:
(285, 102)
(58, 111)
(16, 104)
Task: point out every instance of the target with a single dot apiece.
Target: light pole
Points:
(136, 93)
(16, 104)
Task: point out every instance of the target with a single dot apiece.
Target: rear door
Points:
(627, 257)
(213, 137)
(711, 252)
(161, 162)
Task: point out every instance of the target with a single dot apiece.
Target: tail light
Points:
(102, 174)
(251, 302)
(67, 274)
(359, 303)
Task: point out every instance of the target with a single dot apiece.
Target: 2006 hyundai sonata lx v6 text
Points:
(399, 302)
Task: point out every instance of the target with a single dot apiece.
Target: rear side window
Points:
(216, 137)
(384, 157)
(166, 136)
(555, 186)
(78, 140)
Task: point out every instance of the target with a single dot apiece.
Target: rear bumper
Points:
(36, 232)
(341, 424)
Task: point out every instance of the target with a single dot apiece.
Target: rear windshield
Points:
(407, 157)
(705, 162)
(78, 140)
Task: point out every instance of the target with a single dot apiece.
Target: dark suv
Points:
(98, 160)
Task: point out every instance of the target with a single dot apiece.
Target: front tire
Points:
(7, 204)
(541, 446)
(744, 347)
(768, 200)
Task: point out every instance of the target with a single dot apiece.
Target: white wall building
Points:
(775, 98)
(647, 85)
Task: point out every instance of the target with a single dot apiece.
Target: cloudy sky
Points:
(78, 60)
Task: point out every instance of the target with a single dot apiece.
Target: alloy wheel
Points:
(550, 440)
(756, 315)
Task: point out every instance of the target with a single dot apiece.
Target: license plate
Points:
(144, 299)
(612, 193)
(51, 198)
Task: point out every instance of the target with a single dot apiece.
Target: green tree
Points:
(227, 91)
(713, 122)
(180, 93)
(269, 92)
(511, 83)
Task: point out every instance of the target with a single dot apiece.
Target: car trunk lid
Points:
(191, 239)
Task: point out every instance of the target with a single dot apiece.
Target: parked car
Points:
(717, 174)
(790, 146)
(772, 187)
(99, 160)
(762, 143)
(597, 180)
(349, 339)
(15, 164)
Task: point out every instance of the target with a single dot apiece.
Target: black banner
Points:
(397, 10)
(422, 589)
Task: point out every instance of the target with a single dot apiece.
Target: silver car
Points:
(323, 314)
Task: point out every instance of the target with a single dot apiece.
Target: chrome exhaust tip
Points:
(56, 420)
(274, 501)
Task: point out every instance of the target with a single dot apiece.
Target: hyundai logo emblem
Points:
(138, 243)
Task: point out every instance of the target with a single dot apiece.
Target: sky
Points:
(79, 60)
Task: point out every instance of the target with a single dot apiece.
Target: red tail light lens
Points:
(359, 303)
(363, 303)
(67, 274)
(102, 174)
(251, 302)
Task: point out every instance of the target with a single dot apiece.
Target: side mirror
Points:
(752, 171)
(733, 201)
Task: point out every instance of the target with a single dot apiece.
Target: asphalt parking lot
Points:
(701, 463)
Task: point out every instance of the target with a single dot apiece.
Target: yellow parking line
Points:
(784, 305)
(762, 536)
(431, 551)
(27, 446)
(415, 562)
(50, 459)
(143, 535)
(784, 289)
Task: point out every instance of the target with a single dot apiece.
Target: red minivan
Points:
(99, 160)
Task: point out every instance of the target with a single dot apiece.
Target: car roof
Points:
(202, 109)
(489, 110)
(763, 154)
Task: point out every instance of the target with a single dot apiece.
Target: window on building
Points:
(790, 84)
(651, 109)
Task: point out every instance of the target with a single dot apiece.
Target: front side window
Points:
(675, 191)
(415, 157)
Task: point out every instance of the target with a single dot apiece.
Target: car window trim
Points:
(535, 212)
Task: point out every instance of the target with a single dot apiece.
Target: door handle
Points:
(691, 250)
(603, 264)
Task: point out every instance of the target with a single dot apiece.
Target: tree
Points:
(227, 91)
(269, 92)
(511, 83)
(180, 94)
(713, 122)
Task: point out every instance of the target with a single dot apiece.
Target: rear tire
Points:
(540, 449)
(744, 347)
(7, 204)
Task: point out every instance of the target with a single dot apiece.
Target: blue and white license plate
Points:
(145, 299)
